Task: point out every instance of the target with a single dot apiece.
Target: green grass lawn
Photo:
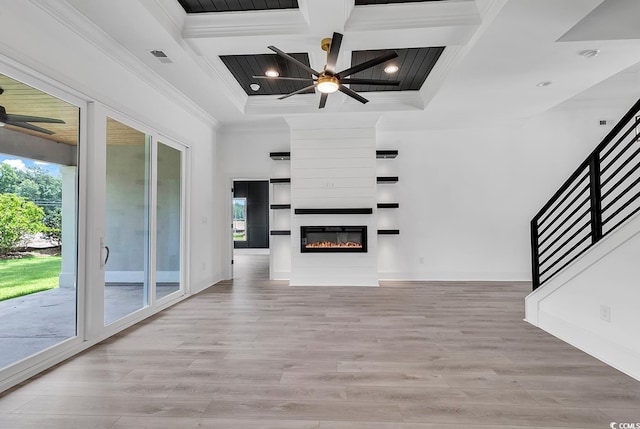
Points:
(28, 275)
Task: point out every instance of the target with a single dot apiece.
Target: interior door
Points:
(254, 196)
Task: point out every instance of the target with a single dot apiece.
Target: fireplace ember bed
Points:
(322, 239)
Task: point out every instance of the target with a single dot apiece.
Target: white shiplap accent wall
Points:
(333, 168)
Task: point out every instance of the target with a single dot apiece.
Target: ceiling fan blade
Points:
(353, 94)
(323, 100)
(30, 127)
(303, 79)
(293, 60)
(26, 118)
(332, 57)
(367, 64)
(370, 82)
(297, 92)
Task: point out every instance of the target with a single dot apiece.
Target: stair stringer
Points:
(569, 305)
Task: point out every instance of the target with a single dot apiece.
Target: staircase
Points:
(585, 251)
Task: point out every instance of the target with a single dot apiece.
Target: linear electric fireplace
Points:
(333, 239)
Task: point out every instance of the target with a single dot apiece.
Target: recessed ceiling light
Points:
(392, 68)
(590, 53)
(271, 73)
(254, 87)
(544, 83)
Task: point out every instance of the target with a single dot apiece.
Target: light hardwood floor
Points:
(258, 354)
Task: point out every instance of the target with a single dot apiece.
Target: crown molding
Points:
(169, 13)
(242, 24)
(233, 90)
(413, 15)
(449, 59)
(454, 54)
(87, 30)
(308, 103)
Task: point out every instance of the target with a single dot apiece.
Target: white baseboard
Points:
(598, 346)
(457, 277)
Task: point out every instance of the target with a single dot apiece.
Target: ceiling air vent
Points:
(161, 56)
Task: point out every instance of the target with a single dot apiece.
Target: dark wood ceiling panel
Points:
(242, 67)
(370, 2)
(415, 65)
(204, 6)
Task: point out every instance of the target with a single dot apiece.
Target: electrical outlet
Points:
(605, 313)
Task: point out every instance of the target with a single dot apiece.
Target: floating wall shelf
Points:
(365, 210)
(280, 156)
(280, 206)
(281, 232)
(280, 180)
(388, 231)
(387, 179)
(388, 205)
(386, 154)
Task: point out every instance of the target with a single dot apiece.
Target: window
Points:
(239, 219)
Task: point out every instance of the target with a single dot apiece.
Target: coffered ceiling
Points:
(461, 61)
(204, 6)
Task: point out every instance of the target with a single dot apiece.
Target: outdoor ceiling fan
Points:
(22, 121)
(328, 81)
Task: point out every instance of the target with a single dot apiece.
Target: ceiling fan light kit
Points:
(327, 84)
(328, 81)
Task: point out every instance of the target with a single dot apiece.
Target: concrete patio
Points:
(34, 322)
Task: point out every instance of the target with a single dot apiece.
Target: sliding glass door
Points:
(169, 203)
(127, 221)
(39, 141)
(144, 220)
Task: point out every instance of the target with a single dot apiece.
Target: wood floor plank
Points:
(499, 414)
(208, 423)
(15, 421)
(115, 406)
(252, 353)
(240, 392)
(296, 410)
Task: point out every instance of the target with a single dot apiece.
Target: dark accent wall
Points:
(257, 223)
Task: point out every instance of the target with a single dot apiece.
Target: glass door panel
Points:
(168, 220)
(39, 138)
(127, 221)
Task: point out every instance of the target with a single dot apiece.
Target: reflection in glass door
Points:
(168, 220)
(127, 221)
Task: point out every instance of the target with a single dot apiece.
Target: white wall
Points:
(466, 195)
(606, 277)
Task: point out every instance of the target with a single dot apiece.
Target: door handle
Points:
(103, 262)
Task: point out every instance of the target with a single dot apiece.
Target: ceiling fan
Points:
(22, 121)
(328, 81)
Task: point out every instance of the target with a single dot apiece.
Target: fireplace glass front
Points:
(333, 239)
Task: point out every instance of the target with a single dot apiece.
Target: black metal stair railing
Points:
(602, 194)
